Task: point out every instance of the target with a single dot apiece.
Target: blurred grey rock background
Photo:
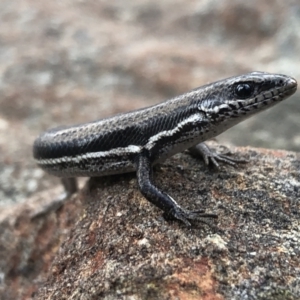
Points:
(66, 62)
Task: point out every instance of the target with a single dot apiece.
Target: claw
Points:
(185, 216)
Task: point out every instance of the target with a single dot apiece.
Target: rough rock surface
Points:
(120, 245)
(30, 236)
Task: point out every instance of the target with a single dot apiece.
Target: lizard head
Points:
(241, 96)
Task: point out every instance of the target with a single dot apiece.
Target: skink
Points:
(137, 140)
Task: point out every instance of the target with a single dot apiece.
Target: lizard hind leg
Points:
(70, 185)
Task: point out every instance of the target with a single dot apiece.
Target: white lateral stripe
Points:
(65, 159)
(119, 151)
(155, 138)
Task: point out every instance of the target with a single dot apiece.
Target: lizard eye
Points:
(243, 90)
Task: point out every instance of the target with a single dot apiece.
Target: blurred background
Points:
(66, 62)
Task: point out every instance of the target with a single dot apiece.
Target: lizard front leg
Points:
(161, 199)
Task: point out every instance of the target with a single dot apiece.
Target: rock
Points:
(120, 246)
(30, 236)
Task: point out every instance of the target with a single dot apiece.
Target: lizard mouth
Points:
(277, 95)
